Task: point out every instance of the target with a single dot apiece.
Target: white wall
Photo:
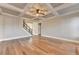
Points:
(11, 27)
(62, 27)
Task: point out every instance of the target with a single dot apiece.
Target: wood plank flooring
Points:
(38, 45)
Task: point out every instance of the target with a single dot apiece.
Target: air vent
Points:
(72, 9)
(18, 5)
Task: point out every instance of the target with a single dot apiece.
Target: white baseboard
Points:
(59, 38)
(12, 38)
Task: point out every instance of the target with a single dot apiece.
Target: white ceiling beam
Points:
(64, 6)
(53, 10)
(8, 14)
(76, 11)
(12, 15)
(8, 6)
(47, 19)
(23, 12)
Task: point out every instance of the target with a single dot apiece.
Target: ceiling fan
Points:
(38, 10)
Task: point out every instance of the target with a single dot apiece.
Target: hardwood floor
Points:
(37, 45)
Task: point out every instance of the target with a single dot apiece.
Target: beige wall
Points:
(62, 27)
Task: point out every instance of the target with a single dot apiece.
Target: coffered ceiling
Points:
(56, 4)
(21, 9)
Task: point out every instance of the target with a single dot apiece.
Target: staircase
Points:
(27, 28)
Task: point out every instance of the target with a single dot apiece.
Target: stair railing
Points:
(27, 28)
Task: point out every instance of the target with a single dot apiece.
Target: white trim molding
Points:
(12, 38)
(59, 38)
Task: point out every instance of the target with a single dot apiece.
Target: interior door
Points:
(39, 28)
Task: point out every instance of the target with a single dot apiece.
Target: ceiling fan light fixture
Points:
(37, 10)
